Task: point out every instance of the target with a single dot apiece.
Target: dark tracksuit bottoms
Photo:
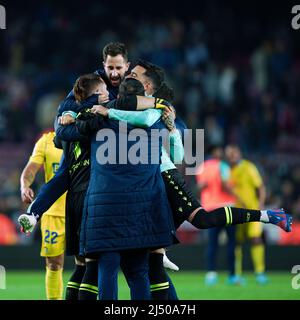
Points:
(213, 237)
(134, 265)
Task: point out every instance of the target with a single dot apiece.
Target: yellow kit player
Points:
(249, 187)
(53, 221)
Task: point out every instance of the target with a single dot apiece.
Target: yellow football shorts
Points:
(248, 230)
(53, 235)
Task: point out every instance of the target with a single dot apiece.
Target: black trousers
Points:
(74, 208)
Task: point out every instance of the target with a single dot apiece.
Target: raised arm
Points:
(176, 147)
(175, 140)
(77, 131)
(69, 103)
(68, 132)
(142, 119)
(92, 121)
(133, 103)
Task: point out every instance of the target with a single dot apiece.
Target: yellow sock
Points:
(238, 260)
(258, 257)
(54, 284)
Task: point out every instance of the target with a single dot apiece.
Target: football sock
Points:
(258, 257)
(159, 284)
(54, 284)
(89, 285)
(264, 216)
(223, 217)
(73, 284)
(172, 291)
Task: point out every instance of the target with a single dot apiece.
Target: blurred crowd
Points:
(233, 76)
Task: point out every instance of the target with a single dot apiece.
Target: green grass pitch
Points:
(29, 285)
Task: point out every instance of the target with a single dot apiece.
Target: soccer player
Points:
(247, 183)
(73, 175)
(53, 221)
(83, 282)
(184, 204)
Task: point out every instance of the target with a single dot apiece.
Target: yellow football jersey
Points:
(245, 180)
(45, 153)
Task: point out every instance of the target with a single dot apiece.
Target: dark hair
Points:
(235, 146)
(113, 49)
(212, 147)
(165, 92)
(155, 73)
(131, 86)
(85, 85)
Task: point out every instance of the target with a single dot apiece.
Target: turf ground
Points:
(190, 286)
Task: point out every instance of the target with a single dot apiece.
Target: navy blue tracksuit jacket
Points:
(126, 205)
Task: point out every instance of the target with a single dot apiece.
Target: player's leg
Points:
(53, 246)
(223, 216)
(172, 291)
(212, 248)
(257, 250)
(108, 267)
(240, 236)
(231, 216)
(74, 207)
(89, 285)
(185, 206)
(230, 231)
(88, 289)
(73, 285)
(54, 279)
(161, 286)
(136, 271)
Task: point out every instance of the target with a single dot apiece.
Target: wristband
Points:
(70, 113)
(160, 103)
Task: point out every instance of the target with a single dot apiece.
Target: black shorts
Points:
(74, 208)
(181, 199)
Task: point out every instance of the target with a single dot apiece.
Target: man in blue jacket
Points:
(126, 212)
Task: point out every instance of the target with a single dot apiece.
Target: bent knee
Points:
(55, 263)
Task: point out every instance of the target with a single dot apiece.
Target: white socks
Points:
(264, 216)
